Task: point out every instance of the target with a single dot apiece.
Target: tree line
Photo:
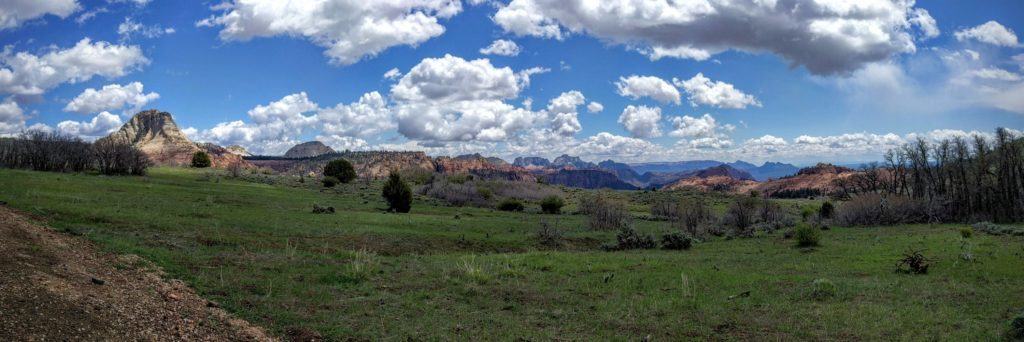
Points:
(960, 179)
(55, 152)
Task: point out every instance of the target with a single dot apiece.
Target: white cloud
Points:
(15, 12)
(924, 21)
(990, 33)
(273, 127)
(997, 74)
(370, 116)
(393, 74)
(595, 107)
(129, 28)
(704, 91)
(605, 145)
(452, 99)
(111, 97)
(565, 119)
(101, 125)
(502, 47)
(139, 3)
(827, 37)
(342, 143)
(12, 118)
(635, 87)
(701, 132)
(23, 73)
(642, 121)
(350, 30)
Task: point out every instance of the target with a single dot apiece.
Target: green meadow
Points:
(442, 272)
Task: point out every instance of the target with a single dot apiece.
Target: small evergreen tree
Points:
(552, 205)
(340, 169)
(201, 160)
(397, 193)
(827, 210)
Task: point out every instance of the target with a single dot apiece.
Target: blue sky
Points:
(842, 82)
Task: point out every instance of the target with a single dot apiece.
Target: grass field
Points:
(470, 273)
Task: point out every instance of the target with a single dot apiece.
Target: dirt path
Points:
(58, 287)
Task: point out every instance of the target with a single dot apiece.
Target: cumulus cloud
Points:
(101, 125)
(130, 28)
(12, 118)
(23, 73)
(704, 91)
(111, 97)
(642, 121)
(595, 107)
(924, 21)
(996, 74)
(701, 132)
(605, 145)
(502, 47)
(991, 32)
(272, 129)
(827, 37)
(15, 12)
(452, 99)
(636, 87)
(367, 117)
(564, 117)
(350, 30)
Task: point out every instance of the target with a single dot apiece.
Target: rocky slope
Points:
(159, 137)
(566, 161)
(308, 149)
(57, 287)
(372, 164)
(531, 162)
(819, 178)
(587, 179)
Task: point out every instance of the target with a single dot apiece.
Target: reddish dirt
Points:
(58, 287)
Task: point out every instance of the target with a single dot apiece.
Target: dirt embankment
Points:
(58, 287)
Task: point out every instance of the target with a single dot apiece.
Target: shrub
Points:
(628, 238)
(823, 288)
(549, 235)
(966, 232)
(552, 204)
(341, 170)
(676, 241)
(201, 160)
(740, 213)
(913, 263)
(329, 181)
(995, 229)
(397, 193)
(1016, 332)
(827, 210)
(807, 235)
(604, 213)
(317, 209)
(45, 151)
(510, 204)
(875, 209)
(235, 169)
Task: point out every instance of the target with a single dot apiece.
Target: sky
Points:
(797, 81)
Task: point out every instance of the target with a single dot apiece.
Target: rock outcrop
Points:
(587, 179)
(308, 149)
(566, 161)
(532, 162)
(159, 137)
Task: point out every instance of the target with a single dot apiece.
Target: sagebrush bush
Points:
(676, 241)
(1016, 332)
(549, 235)
(341, 170)
(329, 181)
(807, 235)
(552, 205)
(397, 193)
(201, 160)
(966, 232)
(510, 204)
(913, 262)
(628, 238)
(822, 289)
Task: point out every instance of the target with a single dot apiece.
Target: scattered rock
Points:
(172, 296)
(98, 281)
(745, 294)
(317, 209)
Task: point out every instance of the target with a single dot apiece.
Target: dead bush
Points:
(740, 214)
(913, 262)
(604, 212)
(549, 235)
(876, 209)
(628, 238)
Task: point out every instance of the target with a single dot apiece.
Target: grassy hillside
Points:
(475, 273)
